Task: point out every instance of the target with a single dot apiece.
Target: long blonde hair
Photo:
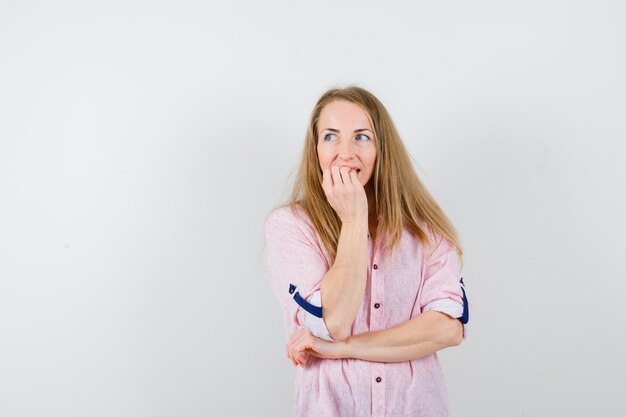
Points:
(398, 193)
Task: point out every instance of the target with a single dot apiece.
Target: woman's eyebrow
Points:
(337, 130)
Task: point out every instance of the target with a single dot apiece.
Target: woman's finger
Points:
(295, 349)
(354, 177)
(295, 342)
(345, 175)
(302, 358)
(292, 342)
(336, 176)
(301, 346)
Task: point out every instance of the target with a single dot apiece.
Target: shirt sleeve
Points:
(294, 259)
(315, 324)
(443, 288)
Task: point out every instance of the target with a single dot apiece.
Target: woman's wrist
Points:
(347, 348)
(356, 220)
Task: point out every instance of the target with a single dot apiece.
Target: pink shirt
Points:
(411, 283)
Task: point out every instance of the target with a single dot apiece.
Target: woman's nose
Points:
(347, 149)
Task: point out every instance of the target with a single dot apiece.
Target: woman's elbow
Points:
(450, 330)
(339, 336)
(338, 332)
(455, 333)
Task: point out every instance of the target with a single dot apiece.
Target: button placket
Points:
(376, 323)
(378, 390)
(377, 294)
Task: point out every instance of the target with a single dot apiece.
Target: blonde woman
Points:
(366, 269)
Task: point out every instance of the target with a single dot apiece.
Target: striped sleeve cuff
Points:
(448, 306)
(316, 324)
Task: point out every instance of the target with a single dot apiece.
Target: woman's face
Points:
(346, 138)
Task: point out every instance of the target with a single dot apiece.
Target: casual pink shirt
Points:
(411, 283)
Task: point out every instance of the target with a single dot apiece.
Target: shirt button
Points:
(376, 305)
(378, 379)
(375, 266)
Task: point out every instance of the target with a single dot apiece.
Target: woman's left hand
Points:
(302, 344)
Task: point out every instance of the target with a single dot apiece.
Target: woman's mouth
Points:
(353, 168)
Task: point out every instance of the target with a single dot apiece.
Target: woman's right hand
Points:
(345, 193)
(302, 343)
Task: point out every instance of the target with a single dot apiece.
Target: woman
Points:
(366, 268)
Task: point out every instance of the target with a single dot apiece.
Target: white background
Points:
(142, 145)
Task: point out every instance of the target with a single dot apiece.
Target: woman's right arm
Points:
(343, 286)
(293, 257)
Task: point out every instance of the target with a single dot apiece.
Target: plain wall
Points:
(143, 144)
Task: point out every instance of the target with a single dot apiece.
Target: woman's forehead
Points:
(341, 113)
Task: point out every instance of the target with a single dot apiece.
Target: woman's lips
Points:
(354, 168)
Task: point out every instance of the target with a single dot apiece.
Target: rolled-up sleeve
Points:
(443, 289)
(294, 259)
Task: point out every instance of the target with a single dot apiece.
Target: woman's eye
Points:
(327, 136)
(364, 136)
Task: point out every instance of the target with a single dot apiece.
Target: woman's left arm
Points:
(420, 336)
(429, 332)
